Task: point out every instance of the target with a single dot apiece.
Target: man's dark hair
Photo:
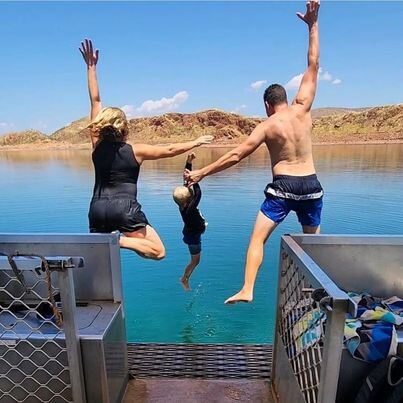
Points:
(275, 94)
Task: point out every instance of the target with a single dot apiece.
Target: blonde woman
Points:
(114, 205)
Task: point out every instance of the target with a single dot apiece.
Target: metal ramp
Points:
(207, 361)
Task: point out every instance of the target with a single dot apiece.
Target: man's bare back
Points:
(288, 139)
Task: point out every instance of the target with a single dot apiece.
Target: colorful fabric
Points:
(371, 336)
(308, 330)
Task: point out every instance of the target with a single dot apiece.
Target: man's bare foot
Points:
(241, 296)
(185, 283)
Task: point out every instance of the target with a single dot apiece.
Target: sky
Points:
(157, 57)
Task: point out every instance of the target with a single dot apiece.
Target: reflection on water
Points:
(80, 159)
(49, 191)
(370, 156)
(361, 157)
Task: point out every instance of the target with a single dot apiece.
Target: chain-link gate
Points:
(310, 323)
(39, 349)
(301, 328)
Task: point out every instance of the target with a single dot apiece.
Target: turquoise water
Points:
(50, 192)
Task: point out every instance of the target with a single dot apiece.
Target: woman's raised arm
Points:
(91, 59)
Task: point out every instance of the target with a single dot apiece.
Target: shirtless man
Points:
(287, 135)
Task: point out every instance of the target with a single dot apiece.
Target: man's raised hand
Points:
(192, 177)
(311, 14)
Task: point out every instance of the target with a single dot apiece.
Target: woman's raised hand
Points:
(90, 57)
(205, 139)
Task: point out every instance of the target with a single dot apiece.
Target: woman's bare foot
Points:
(241, 296)
(185, 283)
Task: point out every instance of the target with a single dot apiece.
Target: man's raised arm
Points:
(307, 89)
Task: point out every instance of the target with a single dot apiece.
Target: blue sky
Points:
(189, 56)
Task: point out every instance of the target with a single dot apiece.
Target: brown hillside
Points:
(383, 123)
(379, 124)
(24, 137)
(226, 127)
(74, 133)
(330, 111)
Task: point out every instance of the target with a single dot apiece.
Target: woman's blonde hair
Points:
(110, 122)
(181, 195)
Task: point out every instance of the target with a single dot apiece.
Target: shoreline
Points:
(86, 146)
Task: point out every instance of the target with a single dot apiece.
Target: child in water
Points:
(194, 223)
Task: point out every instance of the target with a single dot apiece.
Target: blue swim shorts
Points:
(193, 241)
(302, 194)
(308, 211)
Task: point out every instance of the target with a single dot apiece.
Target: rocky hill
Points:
(331, 125)
(226, 127)
(25, 137)
(320, 112)
(383, 123)
(74, 133)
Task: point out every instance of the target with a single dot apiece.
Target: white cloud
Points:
(155, 107)
(256, 85)
(163, 104)
(295, 82)
(324, 76)
(128, 110)
(238, 109)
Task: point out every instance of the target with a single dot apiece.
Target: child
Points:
(194, 223)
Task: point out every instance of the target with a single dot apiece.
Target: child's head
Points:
(181, 195)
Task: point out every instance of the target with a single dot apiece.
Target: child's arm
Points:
(195, 200)
(188, 166)
(197, 194)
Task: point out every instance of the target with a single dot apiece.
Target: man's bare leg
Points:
(311, 230)
(194, 261)
(261, 232)
(145, 242)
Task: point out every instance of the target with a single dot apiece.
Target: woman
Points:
(114, 205)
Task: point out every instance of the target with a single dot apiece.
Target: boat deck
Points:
(171, 373)
(198, 390)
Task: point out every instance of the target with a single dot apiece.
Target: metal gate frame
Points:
(309, 329)
(67, 330)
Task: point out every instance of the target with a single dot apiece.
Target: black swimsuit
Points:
(114, 205)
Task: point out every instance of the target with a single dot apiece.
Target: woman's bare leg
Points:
(194, 261)
(145, 241)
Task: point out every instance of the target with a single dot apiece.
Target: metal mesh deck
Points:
(208, 361)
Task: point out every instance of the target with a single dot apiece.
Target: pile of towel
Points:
(371, 336)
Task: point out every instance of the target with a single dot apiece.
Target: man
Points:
(287, 135)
